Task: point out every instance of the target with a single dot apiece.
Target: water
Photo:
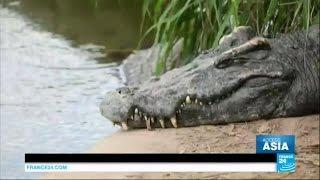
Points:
(113, 24)
(50, 93)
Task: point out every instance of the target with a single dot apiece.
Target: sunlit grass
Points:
(201, 23)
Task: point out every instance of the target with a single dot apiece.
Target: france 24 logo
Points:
(283, 146)
(274, 144)
(286, 162)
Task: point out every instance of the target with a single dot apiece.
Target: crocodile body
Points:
(245, 78)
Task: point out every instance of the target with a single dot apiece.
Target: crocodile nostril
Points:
(119, 91)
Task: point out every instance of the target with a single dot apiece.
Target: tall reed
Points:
(201, 23)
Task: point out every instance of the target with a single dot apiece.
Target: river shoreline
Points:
(237, 138)
(50, 93)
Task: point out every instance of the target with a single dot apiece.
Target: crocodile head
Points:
(241, 80)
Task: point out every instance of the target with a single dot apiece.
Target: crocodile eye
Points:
(240, 60)
(225, 63)
(119, 91)
(232, 61)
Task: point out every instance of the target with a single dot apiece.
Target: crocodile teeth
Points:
(210, 103)
(136, 111)
(137, 118)
(196, 101)
(132, 117)
(188, 100)
(148, 124)
(145, 118)
(162, 123)
(152, 119)
(200, 103)
(124, 126)
(181, 105)
(174, 122)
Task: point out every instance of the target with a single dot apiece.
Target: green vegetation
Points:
(201, 23)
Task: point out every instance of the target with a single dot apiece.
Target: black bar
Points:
(127, 158)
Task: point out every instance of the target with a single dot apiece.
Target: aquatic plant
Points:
(201, 23)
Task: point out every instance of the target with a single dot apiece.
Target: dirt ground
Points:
(232, 138)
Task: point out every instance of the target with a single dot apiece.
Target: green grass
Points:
(201, 23)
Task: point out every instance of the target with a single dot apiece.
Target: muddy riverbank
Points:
(239, 138)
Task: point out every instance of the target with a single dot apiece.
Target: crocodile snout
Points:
(116, 105)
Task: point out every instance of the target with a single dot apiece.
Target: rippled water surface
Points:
(50, 92)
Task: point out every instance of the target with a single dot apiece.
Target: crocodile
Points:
(245, 78)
